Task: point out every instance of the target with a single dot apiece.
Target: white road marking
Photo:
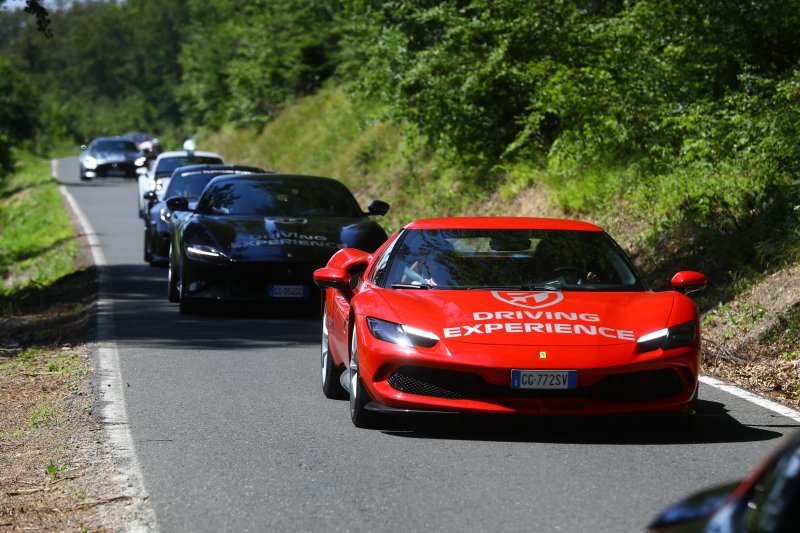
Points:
(775, 407)
(113, 415)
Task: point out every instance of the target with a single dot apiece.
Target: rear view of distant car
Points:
(111, 157)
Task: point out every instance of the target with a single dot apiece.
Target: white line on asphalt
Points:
(775, 407)
(114, 414)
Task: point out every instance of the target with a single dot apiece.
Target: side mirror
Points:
(177, 203)
(688, 281)
(377, 207)
(150, 196)
(83, 147)
(334, 278)
(141, 171)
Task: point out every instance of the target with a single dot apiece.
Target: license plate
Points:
(544, 379)
(116, 171)
(288, 291)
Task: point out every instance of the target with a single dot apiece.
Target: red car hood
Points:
(545, 318)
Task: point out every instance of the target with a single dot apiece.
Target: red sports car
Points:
(505, 315)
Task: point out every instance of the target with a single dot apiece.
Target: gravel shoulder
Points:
(58, 469)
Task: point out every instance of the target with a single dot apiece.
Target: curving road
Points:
(233, 434)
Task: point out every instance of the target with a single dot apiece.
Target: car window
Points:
(113, 145)
(464, 259)
(188, 185)
(167, 164)
(294, 196)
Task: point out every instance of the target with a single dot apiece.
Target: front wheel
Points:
(331, 387)
(172, 282)
(358, 395)
(186, 304)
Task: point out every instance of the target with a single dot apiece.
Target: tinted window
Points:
(294, 196)
(188, 185)
(463, 259)
(113, 145)
(168, 164)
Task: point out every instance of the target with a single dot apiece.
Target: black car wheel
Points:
(186, 304)
(331, 387)
(358, 395)
(148, 256)
(172, 282)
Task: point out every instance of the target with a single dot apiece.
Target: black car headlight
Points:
(400, 333)
(205, 252)
(668, 338)
(90, 163)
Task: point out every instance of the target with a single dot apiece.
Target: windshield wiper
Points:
(514, 288)
(410, 286)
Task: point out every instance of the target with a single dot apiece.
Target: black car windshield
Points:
(167, 164)
(289, 196)
(113, 146)
(509, 259)
(189, 185)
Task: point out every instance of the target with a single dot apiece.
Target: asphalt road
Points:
(233, 433)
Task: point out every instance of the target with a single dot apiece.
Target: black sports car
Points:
(260, 237)
(189, 182)
(111, 156)
(768, 501)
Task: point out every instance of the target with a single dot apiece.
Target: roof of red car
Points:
(502, 223)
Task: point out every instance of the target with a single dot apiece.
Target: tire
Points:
(358, 395)
(172, 282)
(148, 256)
(186, 304)
(331, 387)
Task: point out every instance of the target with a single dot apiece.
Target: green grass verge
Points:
(37, 245)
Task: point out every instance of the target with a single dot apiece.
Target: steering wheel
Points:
(576, 275)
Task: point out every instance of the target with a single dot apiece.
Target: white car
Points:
(157, 178)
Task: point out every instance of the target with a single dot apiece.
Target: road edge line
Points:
(775, 407)
(113, 413)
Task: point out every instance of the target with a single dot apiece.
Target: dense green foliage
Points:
(678, 118)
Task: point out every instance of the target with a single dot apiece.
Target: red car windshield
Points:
(508, 259)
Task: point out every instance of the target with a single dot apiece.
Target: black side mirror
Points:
(378, 207)
(178, 203)
(150, 196)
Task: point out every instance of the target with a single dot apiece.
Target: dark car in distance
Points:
(145, 142)
(111, 156)
(260, 237)
(187, 182)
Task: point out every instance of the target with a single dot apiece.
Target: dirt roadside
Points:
(58, 470)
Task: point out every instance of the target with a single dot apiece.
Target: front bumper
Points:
(119, 169)
(248, 280)
(468, 378)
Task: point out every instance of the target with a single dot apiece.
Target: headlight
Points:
(140, 161)
(158, 186)
(165, 215)
(90, 163)
(151, 184)
(400, 334)
(668, 338)
(203, 251)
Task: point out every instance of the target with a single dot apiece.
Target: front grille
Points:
(631, 387)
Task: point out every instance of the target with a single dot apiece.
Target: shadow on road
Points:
(713, 424)
(143, 315)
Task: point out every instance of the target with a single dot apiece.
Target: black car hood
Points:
(290, 238)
